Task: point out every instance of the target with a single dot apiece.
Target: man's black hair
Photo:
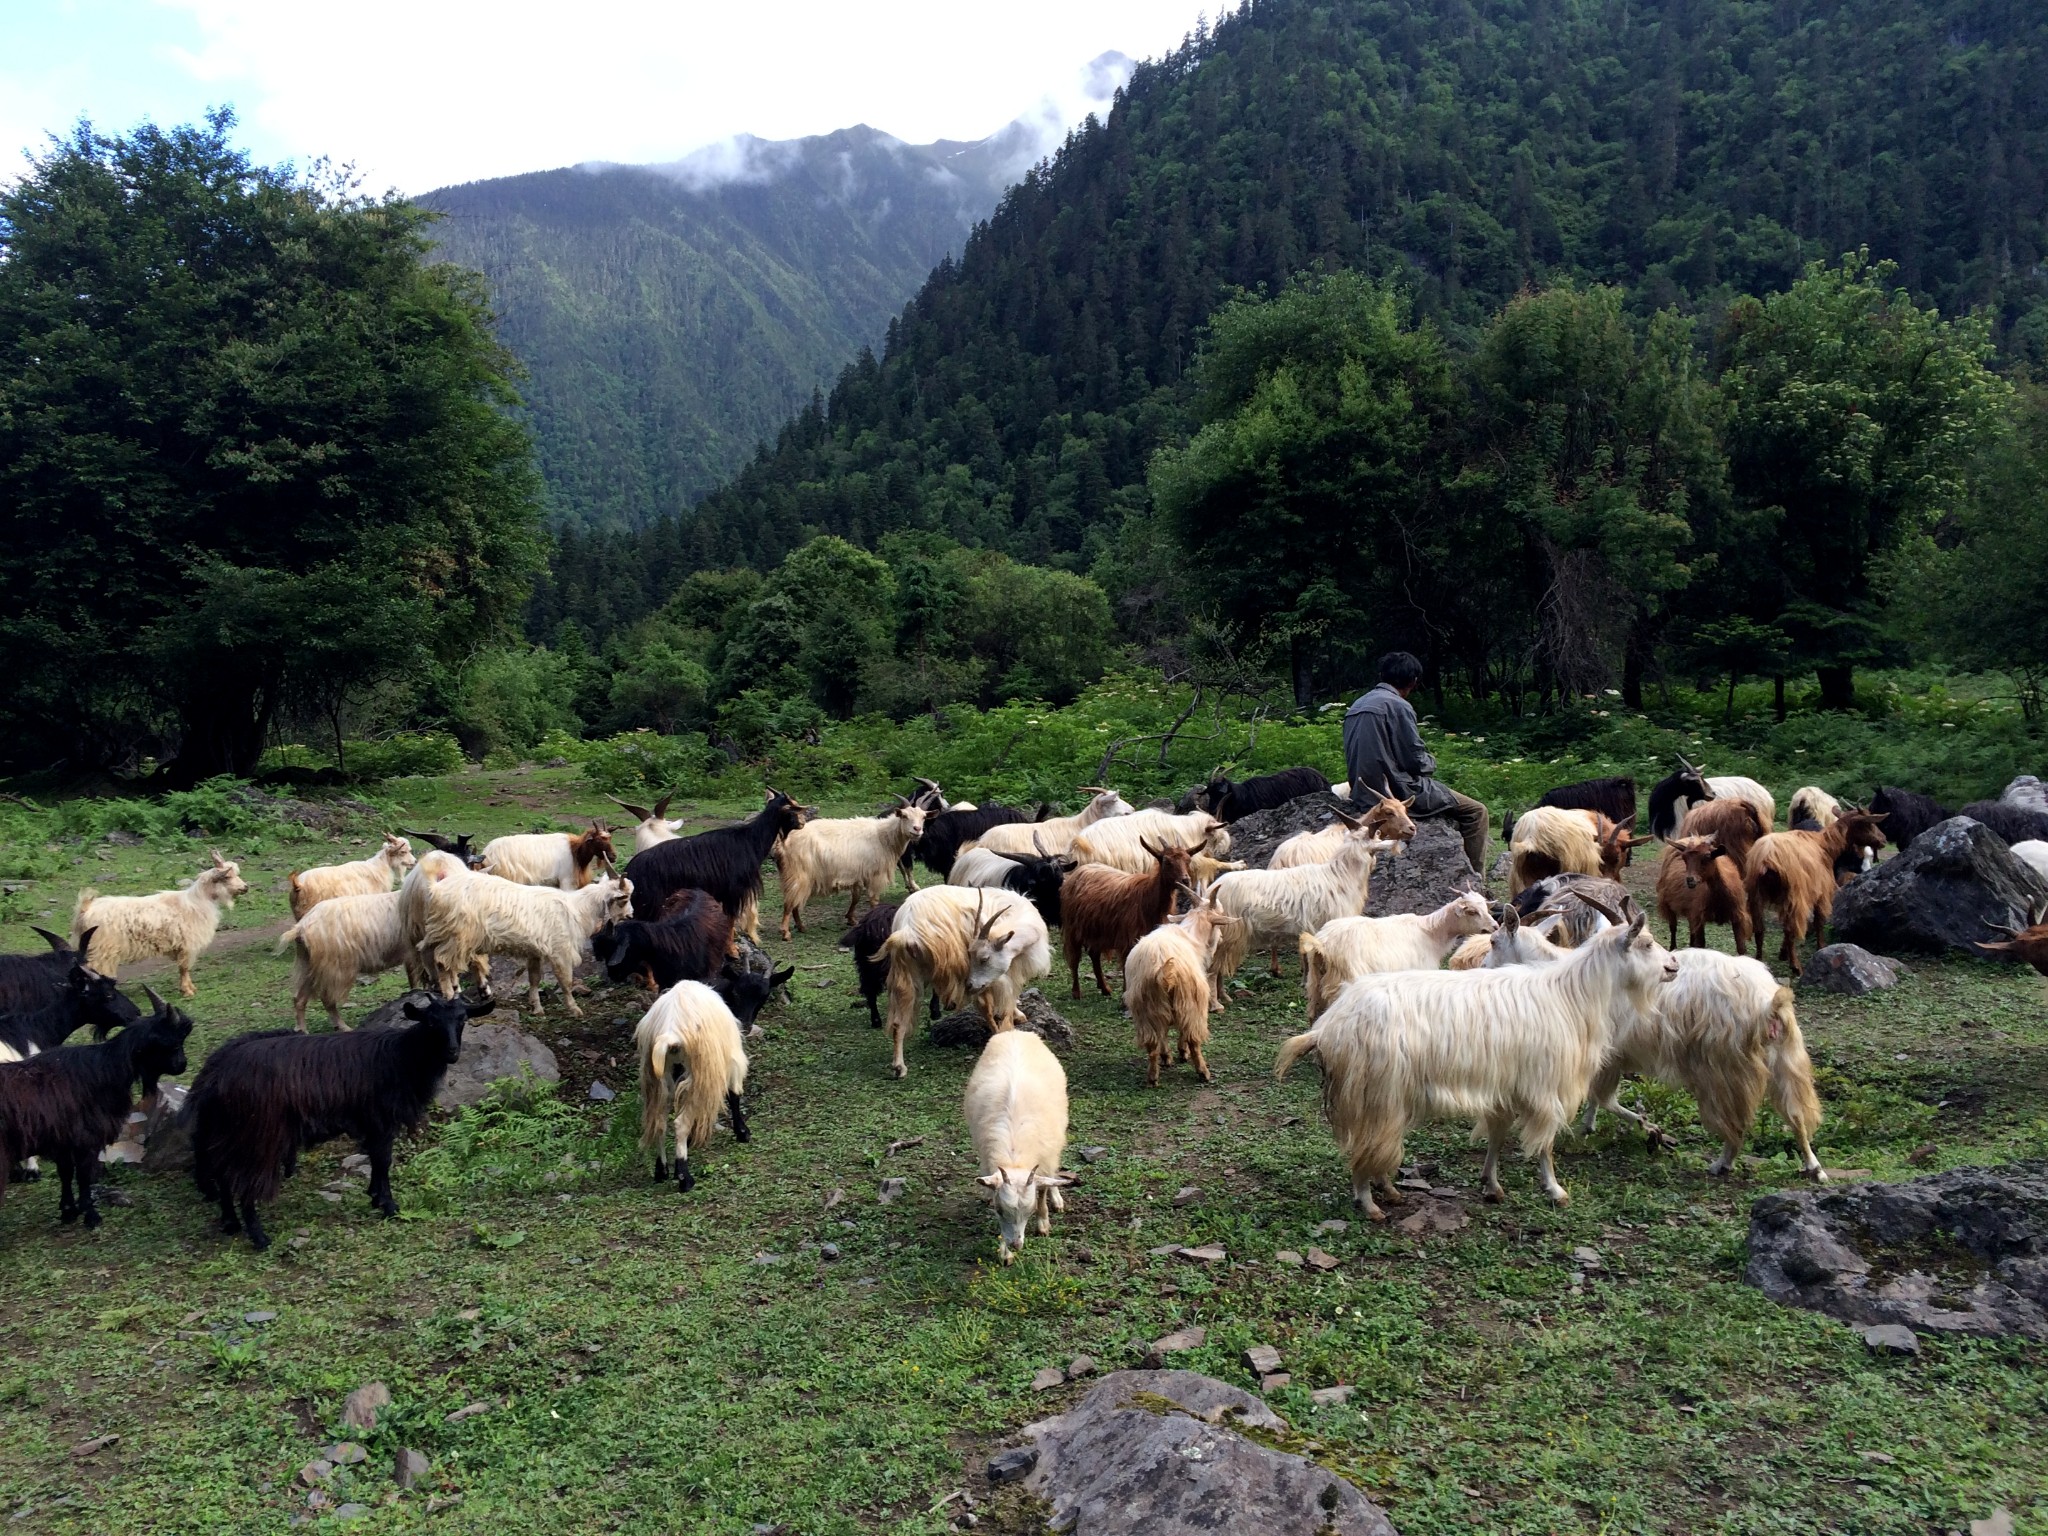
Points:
(1400, 669)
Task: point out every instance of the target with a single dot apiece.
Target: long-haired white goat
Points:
(1055, 835)
(692, 1064)
(856, 854)
(179, 924)
(343, 939)
(566, 862)
(542, 926)
(1403, 941)
(649, 827)
(1120, 843)
(1274, 907)
(379, 872)
(1016, 1107)
(1551, 840)
(1514, 1050)
(1387, 819)
(962, 943)
(434, 870)
(1167, 987)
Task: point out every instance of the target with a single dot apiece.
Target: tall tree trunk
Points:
(1728, 710)
(224, 729)
(1778, 696)
(1632, 660)
(1837, 687)
(1304, 672)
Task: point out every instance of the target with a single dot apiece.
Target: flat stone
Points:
(1850, 970)
(1012, 1466)
(345, 1454)
(316, 1471)
(1997, 1523)
(408, 1467)
(1433, 1219)
(1091, 1154)
(1047, 1378)
(969, 1026)
(1326, 1397)
(1187, 1194)
(360, 1411)
(351, 1511)
(1177, 1342)
(355, 1160)
(1415, 1184)
(1288, 1257)
(317, 1499)
(601, 1092)
(1164, 1250)
(1317, 1259)
(467, 1411)
(891, 1191)
(1589, 1258)
(332, 1197)
(1262, 1359)
(829, 1252)
(1325, 1227)
(765, 1260)
(1157, 1452)
(1892, 1339)
(1273, 1381)
(259, 1317)
(1079, 1366)
(1209, 1253)
(94, 1446)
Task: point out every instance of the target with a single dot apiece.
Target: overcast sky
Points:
(420, 93)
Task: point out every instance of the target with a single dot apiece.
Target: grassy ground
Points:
(663, 1363)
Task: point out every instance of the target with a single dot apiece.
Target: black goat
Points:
(947, 832)
(1688, 784)
(689, 942)
(724, 862)
(459, 846)
(1230, 801)
(264, 1097)
(866, 938)
(69, 1103)
(2012, 823)
(85, 997)
(28, 982)
(1614, 798)
(1906, 814)
(746, 982)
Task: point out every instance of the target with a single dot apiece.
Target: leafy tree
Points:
(253, 447)
(659, 687)
(822, 614)
(513, 697)
(1855, 416)
(1318, 408)
(1740, 648)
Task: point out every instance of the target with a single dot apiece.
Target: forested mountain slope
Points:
(1687, 150)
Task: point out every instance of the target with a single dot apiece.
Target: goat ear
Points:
(413, 1009)
(992, 1180)
(781, 978)
(1060, 1180)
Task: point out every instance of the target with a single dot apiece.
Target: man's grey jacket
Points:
(1383, 750)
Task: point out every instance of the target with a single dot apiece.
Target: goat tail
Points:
(1792, 1090)
(86, 897)
(287, 939)
(1292, 1051)
(654, 1094)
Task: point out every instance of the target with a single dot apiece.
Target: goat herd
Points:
(1550, 999)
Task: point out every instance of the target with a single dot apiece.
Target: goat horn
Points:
(637, 812)
(930, 784)
(661, 805)
(1038, 846)
(1600, 906)
(1091, 789)
(155, 1002)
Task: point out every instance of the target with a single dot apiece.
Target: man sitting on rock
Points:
(1383, 751)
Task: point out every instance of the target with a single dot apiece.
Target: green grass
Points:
(649, 1375)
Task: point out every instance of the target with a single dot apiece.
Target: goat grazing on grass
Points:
(1276, 906)
(1614, 798)
(1811, 810)
(263, 1098)
(1388, 820)
(857, 855)
(692, 1063)
(1233, 801)
(379, 872)
(1906, 814)
(1055, 834)
(179, 924)
(1016, 1108)
(1700, 879)
(539, 924)
(1038, 878)
(1125, 842)
(725, 861)
(341, 939)
(1549, 841)
(69, 1103)
(1795, 873)
(84, 997)
(1672, 796)
(691, 940)
(1350, 947)
(649, 827)
(1572, 907)
(1103, 911)
(550, 858)
(870, 964)
(1513, 1049)
(987, 949)
(436, 871)
(1167, 987)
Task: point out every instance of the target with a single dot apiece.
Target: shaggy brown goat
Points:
(1795, 872)
(1104, 911)
(1734, 824)
(1700, 879)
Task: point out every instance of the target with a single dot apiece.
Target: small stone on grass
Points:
(1892, 1339)
(1288, 1257)
(1317, 1259)
(1187, 1194)
(1047, 1378)
(1326, 1397)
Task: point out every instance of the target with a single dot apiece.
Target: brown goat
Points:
(2027, 945)
(1734, 824)
(1700, 879)
(1104, 911)
(1795, 872)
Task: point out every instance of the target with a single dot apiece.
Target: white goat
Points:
(1735, 787)
(177, 924)
(342, 939)
(1513, 1049)
(566, 862)
(1016, 1107)
(2034, 854)
(649, 827)
(1388, 818)
(1055, 834)
(1402, 941)
(1809, 803)
(482, 915)
(962, 944)
(692, 1063)
(1275, 906)
(1167, 987)
(435, 869)
(856, 854)
(376, 873)
(1121, 843)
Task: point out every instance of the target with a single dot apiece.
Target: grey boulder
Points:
(167, 1132)
(968, 1026)
(1849, 970)
(1429, 873)
(1964, 1251)
(1154, 1452)
(491, 1054)
(1956, 885)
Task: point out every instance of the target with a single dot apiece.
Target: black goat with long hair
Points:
(866, 938)
(33, 981)
(1906, 814)
(947, 832)
(264, 1097)
(1688, 784)
(2012, 822)
(724, 862)
(689, 942)
(1232, 800)
(85, 997)
(1614, 798)
(459, 846)
(69, 1103)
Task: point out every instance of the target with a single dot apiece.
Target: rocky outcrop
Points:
(1850, 971)
(968, 1026)
(1957, 884)
(1959, 1252)
(491, 1054)
(1158, 1453)
(1428, 874)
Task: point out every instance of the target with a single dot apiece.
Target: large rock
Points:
(1430, 873)
(1957, 884)
(1152, 1452)
(491, 1053)
(1959, 1252)
(967, 1026)
(167, 1132)
(1850, 970)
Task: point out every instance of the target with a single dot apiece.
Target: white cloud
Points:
(421, 94)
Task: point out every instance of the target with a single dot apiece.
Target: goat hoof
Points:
(93, 1219)
(685, 1182)
(899, 1072)
(743, 1135)
(260, 1244)
(1495, 1196)
(66, 1216)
